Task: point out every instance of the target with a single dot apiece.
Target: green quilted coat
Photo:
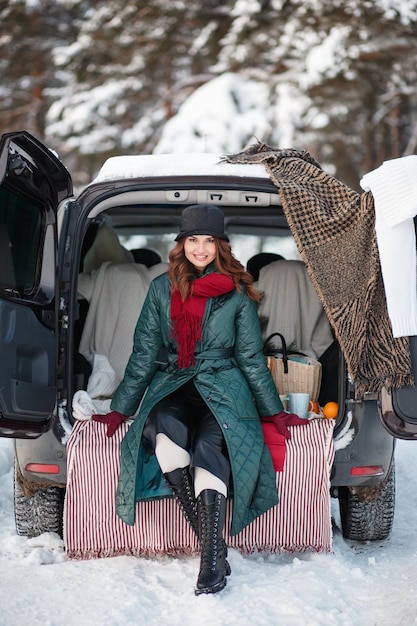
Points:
(232, 377)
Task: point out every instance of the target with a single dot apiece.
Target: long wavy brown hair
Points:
(181, 271)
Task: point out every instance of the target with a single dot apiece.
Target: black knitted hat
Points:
(202, 219)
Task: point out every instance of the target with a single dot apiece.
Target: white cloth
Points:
(100, 389)
(116, 294)
(394, 188)
(293, 307)
(82, 406)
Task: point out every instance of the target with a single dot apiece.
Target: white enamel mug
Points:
(300, 404)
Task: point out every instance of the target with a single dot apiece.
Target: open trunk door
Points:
(399, 407)
(33, 182)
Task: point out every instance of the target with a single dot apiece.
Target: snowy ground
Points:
(358, 585)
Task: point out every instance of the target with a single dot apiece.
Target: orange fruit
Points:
(331, 410)
(315, 406)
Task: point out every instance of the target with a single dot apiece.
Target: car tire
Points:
(367, 513)
(39, 513)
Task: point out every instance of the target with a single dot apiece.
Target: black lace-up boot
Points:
(211, 508)
(181, 485)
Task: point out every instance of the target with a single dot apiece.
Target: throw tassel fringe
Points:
(187, 340)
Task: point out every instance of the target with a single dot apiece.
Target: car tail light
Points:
(42, 468)
(367, 470)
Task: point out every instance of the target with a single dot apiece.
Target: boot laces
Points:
(212, 548)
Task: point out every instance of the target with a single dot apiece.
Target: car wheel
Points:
(39, 513)
(367, 513)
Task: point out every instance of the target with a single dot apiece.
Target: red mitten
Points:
(282, 420)
(112, 419)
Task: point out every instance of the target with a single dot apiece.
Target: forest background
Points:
(93, 78)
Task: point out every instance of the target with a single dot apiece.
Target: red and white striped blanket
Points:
(300, 522)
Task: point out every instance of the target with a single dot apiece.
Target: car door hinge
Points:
(48, 318)
(64, 322)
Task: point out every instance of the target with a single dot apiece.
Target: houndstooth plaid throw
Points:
(334, 230)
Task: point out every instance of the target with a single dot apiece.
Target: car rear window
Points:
(20, 239)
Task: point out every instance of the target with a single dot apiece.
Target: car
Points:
(45, 231)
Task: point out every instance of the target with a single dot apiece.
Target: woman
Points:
(198, 356)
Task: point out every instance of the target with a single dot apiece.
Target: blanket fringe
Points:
(260, 152)
(87, 555)
(393, 382)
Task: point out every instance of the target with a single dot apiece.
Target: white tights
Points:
(171, 457)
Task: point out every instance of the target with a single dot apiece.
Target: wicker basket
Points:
(293, 372)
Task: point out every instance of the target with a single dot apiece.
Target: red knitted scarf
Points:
(187, 316)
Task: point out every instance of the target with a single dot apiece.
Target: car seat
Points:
(260, 260)
(291, 306)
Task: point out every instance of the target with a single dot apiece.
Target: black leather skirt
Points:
(185, 418)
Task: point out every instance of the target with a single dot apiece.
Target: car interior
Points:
(125, 247)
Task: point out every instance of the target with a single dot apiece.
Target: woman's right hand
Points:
(112, 419)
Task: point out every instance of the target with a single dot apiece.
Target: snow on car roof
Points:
(145, 166)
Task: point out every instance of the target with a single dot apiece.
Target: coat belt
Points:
(214, 353)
